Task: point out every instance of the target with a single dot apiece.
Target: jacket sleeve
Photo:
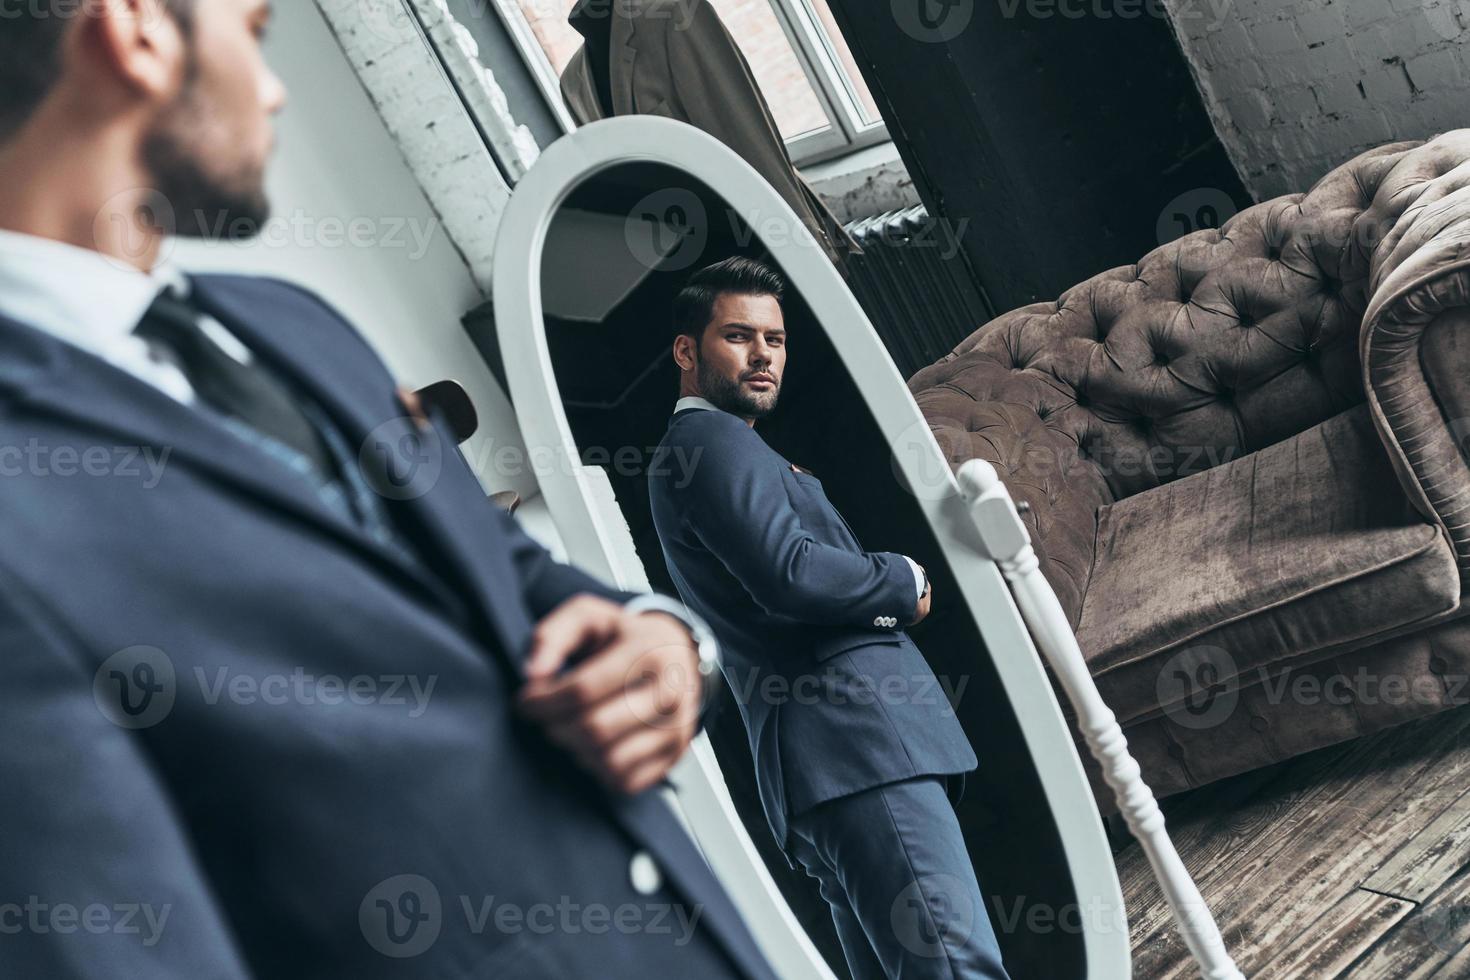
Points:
(736, 502)
(97, 875)
(545, 582)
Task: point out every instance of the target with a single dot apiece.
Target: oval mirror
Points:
(597, 239)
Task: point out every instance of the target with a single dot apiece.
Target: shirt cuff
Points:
(918, 577)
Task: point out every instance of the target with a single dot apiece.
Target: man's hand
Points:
(627, 703)
(924, 600)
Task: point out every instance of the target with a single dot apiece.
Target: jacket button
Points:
(877, 620)
(644, 874)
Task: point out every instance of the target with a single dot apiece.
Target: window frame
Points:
(847, 131)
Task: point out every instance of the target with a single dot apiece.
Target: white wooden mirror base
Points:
(1007, 542)
(596, 538)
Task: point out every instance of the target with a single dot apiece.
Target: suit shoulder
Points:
(705, 428)
(256, 286)
(292, 296)
(703, 445)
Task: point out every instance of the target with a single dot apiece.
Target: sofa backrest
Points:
(1209, 348)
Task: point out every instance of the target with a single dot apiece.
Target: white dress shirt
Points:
(94, 303)
(696, 401)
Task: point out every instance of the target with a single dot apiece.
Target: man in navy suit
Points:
(284, 695)
(857, 751)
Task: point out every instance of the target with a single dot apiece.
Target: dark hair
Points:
(30, 54)
(695, 303)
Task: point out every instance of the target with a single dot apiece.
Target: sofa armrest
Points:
(1415, 348)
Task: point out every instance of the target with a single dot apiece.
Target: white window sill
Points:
(863, 183)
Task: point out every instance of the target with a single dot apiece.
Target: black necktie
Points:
(246, 391)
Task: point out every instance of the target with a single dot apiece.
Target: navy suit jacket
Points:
(325, 776)
(835, 696)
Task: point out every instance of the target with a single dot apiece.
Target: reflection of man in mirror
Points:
(858, 753)
(280, 685)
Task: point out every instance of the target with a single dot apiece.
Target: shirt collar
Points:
(81, 296)
(695, 401)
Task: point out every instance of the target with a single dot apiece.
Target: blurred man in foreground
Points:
(284, 695)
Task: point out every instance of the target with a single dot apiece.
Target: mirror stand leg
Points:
(1007, 543)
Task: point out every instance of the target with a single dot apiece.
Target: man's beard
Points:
(204, 204)
(726, 393)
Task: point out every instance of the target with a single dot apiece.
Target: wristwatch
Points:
(705, 645)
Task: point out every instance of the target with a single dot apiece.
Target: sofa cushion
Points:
(1302, 546)
(1207, 349)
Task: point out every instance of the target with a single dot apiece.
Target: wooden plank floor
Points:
(1353, 861)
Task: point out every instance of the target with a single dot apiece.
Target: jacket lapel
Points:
(52, 377)
(451, 512)
(46, 374)
(624, 54)
(577, 88)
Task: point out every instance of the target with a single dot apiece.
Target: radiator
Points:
(914, 283)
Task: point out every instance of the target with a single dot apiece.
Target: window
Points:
(804, 67)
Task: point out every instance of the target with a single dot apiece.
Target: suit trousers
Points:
(892, 864)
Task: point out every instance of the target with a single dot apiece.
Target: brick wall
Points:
(1296, 87)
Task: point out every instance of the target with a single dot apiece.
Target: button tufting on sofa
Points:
(1386, 220)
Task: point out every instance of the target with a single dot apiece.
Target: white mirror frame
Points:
(593, 541)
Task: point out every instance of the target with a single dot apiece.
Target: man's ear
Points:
(684, 352)
(137, 42)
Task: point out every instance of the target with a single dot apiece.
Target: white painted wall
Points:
(352, 224)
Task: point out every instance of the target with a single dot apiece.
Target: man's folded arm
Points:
(738, 505)
(97, 879)
(545, 582)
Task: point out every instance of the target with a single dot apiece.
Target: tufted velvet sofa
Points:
(1246, 463)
